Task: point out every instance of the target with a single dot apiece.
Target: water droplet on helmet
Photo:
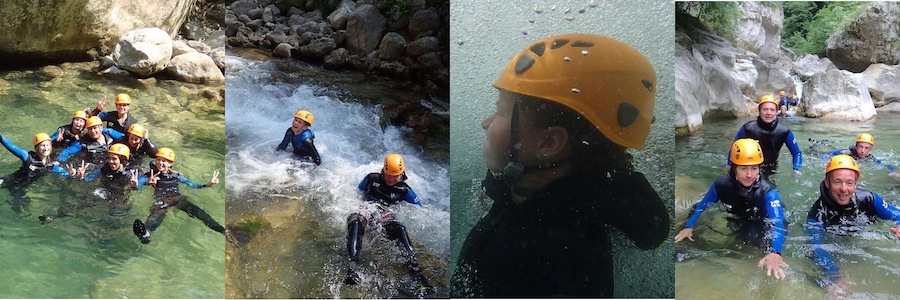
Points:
(569, 18)
(524, 32)
(608, 175)
(531, 21)
(539, 10)
(582, 10)
(567, 58)
(584, 52)
(460, 42)
(575, 90)
(593, 3)
(568, 10)
(586, 143)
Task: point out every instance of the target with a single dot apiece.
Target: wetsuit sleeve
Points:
(775, 221)
(142, 180)
(22, 154)
(190, 183)
(795, 150)
(285, 141)
(56, 133)
(708, 200)
(362, 184)
(836, 152)
(92, 175)
(885, 210)
(739, 135)
(308, 144)
(815, 229)
(101, 115)
(59, 170)
(94, 112)
(151, 148)
(889, 167)
(412, 198)
(72, 150)
(116, 135)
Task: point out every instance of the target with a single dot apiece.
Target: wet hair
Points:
(591, 151)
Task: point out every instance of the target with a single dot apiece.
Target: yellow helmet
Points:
(866, 138)
(40, 137)
(767, 98)
(93, 121)
(842, 161)
(606, 81)
(138, 130)
(166, 153)
(304, 115)
(393, 164)
(123, 99)
(80, 114)
(746, 152)
(781, 93)
(120, 149)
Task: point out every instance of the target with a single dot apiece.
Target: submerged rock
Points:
(195, 67)
(143, 52)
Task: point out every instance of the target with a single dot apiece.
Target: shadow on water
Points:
(289, 222)
(718, 264)
(91, 254)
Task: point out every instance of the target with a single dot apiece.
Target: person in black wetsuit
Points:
(166, 194)
(559, 172)
(843, 209)
(301, 137)
(119, 119)
(384, 189)
(115, 180)
(139, 144)
(65, 135)
(754, 203)
(94, 144)
(35, 164)
(771, 136)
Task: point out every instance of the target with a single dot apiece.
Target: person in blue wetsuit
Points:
(385, 188)
(119, 119)
(65, 135)
(139, 144)
(301, 137)
(844, 209)
(862, 151)
(115, 180)
(166, 194)
(94, 144)
(783, 100)
(35, 164)
(771, 136)
(753, 200)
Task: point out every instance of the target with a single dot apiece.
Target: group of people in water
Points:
(383, 189)
(111, 146)
(758, 211)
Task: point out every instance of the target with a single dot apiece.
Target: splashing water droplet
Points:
(568, 10)
(575, 90)
(531, 21)
(569, 18)
(524, 32)
(460, 42)
(539, 10)
(593, 3)
(584, 52)
(567, 58)
(582, 10)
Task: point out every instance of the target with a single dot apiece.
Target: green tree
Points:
(808, 25)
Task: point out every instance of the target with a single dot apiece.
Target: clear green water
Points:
(92, 254)
(298, 215)
(716, 264)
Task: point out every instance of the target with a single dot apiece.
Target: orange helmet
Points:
(138, 130)
(80, 114)
(40, 137)
(767, 98)
(166, 153)
(866, 138)
(120, 149)
(604, 80)
(93, 121)
(842, 161)
(304, 115)
(746, 152)
(123, 99)
(393, 164)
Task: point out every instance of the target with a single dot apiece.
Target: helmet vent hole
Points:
(647, 85)
(582, 44)
(627, 114)
(538, 49)
(559, 43)
(523, 63)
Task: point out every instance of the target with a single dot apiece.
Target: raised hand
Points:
(72, 170)
(215, 178)
(82, 169)
(102, 103)
(153, 177)
(134, 177)
(59, 135)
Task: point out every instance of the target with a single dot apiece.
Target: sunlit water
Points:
(92, 254)
(301, 249)
(718, 264)
(483, 41)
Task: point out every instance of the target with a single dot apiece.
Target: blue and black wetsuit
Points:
(167, 194)
(376, 190)
(116, 183)
(826, 215)
(771, 137)
(111, 119)
(303, 145)
(868, 158)
(147, 148)
(758, 210)
(555, 243)
(94, 151)
(69, 136)
(32, 168)
(784, 101)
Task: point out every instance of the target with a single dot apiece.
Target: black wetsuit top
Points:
(147, 148)
(771, 138)
(852, 152)
(749, 204)
(302, 144)
(376, 190)
(555, 244)
(69, 137)
(111, 119)
(116, 181)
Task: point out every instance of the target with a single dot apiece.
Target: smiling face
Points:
(768, 112)
(299, 125)
(77, 124)
(95, 132)
(841, 184)
(44, 149)
(114, 161)
(863, 149)
(122, 109)
(163, 165)
(134, 141)
(746, 175)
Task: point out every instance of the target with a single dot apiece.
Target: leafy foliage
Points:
(808, 25)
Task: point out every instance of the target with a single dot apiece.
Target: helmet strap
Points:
(513, 171)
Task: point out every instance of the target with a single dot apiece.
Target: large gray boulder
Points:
(422, 46)
(424, 20)
(195, 67)
(143, 51)
(338, 18)
(810, 64)
(874, 37)
(883, 82)
(336, 59)
(392, 47)
(66, 29)
(365, 27)
(243, 7)
(318, 48)
(771, 80)
(837, 94)
(759, 30)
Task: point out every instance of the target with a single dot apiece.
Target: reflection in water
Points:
(869, 260)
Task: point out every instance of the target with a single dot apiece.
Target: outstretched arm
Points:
(775, 221)
(72, 150)
(285, 141)
(21, 154)
(709, 199)
(816, 232)
(116, 135)
(308, 144)
(795, 151)
(412, 198)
